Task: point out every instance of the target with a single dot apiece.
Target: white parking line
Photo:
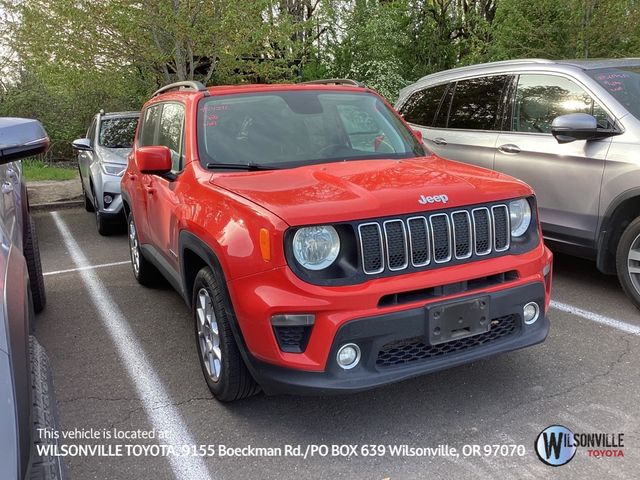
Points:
(157, 403)
(88, 267)
(595, 317)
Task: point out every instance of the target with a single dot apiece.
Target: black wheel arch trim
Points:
(188, 240)
(604, 262)
(125, 199)
(18, 323)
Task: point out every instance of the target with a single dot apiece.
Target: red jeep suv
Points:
(320, 247)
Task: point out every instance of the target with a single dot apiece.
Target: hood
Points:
(354, 190)
(113, 155)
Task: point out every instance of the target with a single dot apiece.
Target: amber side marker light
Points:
(265, 244)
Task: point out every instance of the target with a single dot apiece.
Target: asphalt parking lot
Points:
(129, 362)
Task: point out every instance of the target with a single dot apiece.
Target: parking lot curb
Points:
(49, 207)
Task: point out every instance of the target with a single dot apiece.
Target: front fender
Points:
(229, 226)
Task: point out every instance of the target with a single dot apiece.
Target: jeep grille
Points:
(394, 244)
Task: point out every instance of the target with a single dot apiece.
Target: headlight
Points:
(116, 169)
(520, 215)
(315, 248)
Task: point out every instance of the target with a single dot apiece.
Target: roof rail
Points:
(334, 81)
(186, 85)
(478, 67)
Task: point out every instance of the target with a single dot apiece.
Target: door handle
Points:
(439, 141)
(509, 148)
(7, 187)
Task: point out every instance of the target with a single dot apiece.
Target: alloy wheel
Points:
(97, 209)
(133, 245)
(633, 263)
(208, 335)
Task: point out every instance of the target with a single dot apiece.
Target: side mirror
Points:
(578, 126)
(417, 134)
(82, 145)
(21, 138)
(153, 160)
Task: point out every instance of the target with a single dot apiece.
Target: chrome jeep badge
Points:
(423, 200)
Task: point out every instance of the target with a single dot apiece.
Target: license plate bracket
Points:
(457, 320)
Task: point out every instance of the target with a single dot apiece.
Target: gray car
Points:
(26, 386)
(102, 159)
(570, 129)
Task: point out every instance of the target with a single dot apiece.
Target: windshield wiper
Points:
(238, 166)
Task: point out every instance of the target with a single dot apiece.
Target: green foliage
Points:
(370, 50)
(540, 29)
(35, 170)
(63, 60)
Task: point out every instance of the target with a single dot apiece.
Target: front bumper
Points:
(103, 184)
(395, 347)
(256, 298)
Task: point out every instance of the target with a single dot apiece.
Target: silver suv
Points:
(102, 159)
(570, 129)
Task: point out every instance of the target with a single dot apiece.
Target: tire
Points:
(44, 415)
(225, 372)
(31, 251)
(144, 271)
(104, 224)
(88, 206)
(629, 268)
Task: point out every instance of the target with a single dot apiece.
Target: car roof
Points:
(597, 63)
(256, 87)
(284, 86)
(120, 114)
(522, 64)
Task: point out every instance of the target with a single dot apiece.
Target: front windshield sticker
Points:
(213, 118)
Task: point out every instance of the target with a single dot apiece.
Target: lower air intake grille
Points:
(293, 339)
(415, 349)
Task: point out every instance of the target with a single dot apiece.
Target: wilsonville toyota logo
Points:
(557, 445)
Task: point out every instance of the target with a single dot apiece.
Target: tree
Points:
(369, 48)
(540, 29)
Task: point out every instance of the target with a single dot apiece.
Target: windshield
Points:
(623, 83)
(117, 132)
(291, 128)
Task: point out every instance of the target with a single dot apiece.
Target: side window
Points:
(541, 98)
(443, 113)
(476, 102)
(149, 126)
(421, 107)
(170, 133)
(91, 133)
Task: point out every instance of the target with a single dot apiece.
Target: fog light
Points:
(108, 199)
(531, 312)
(348, 356)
